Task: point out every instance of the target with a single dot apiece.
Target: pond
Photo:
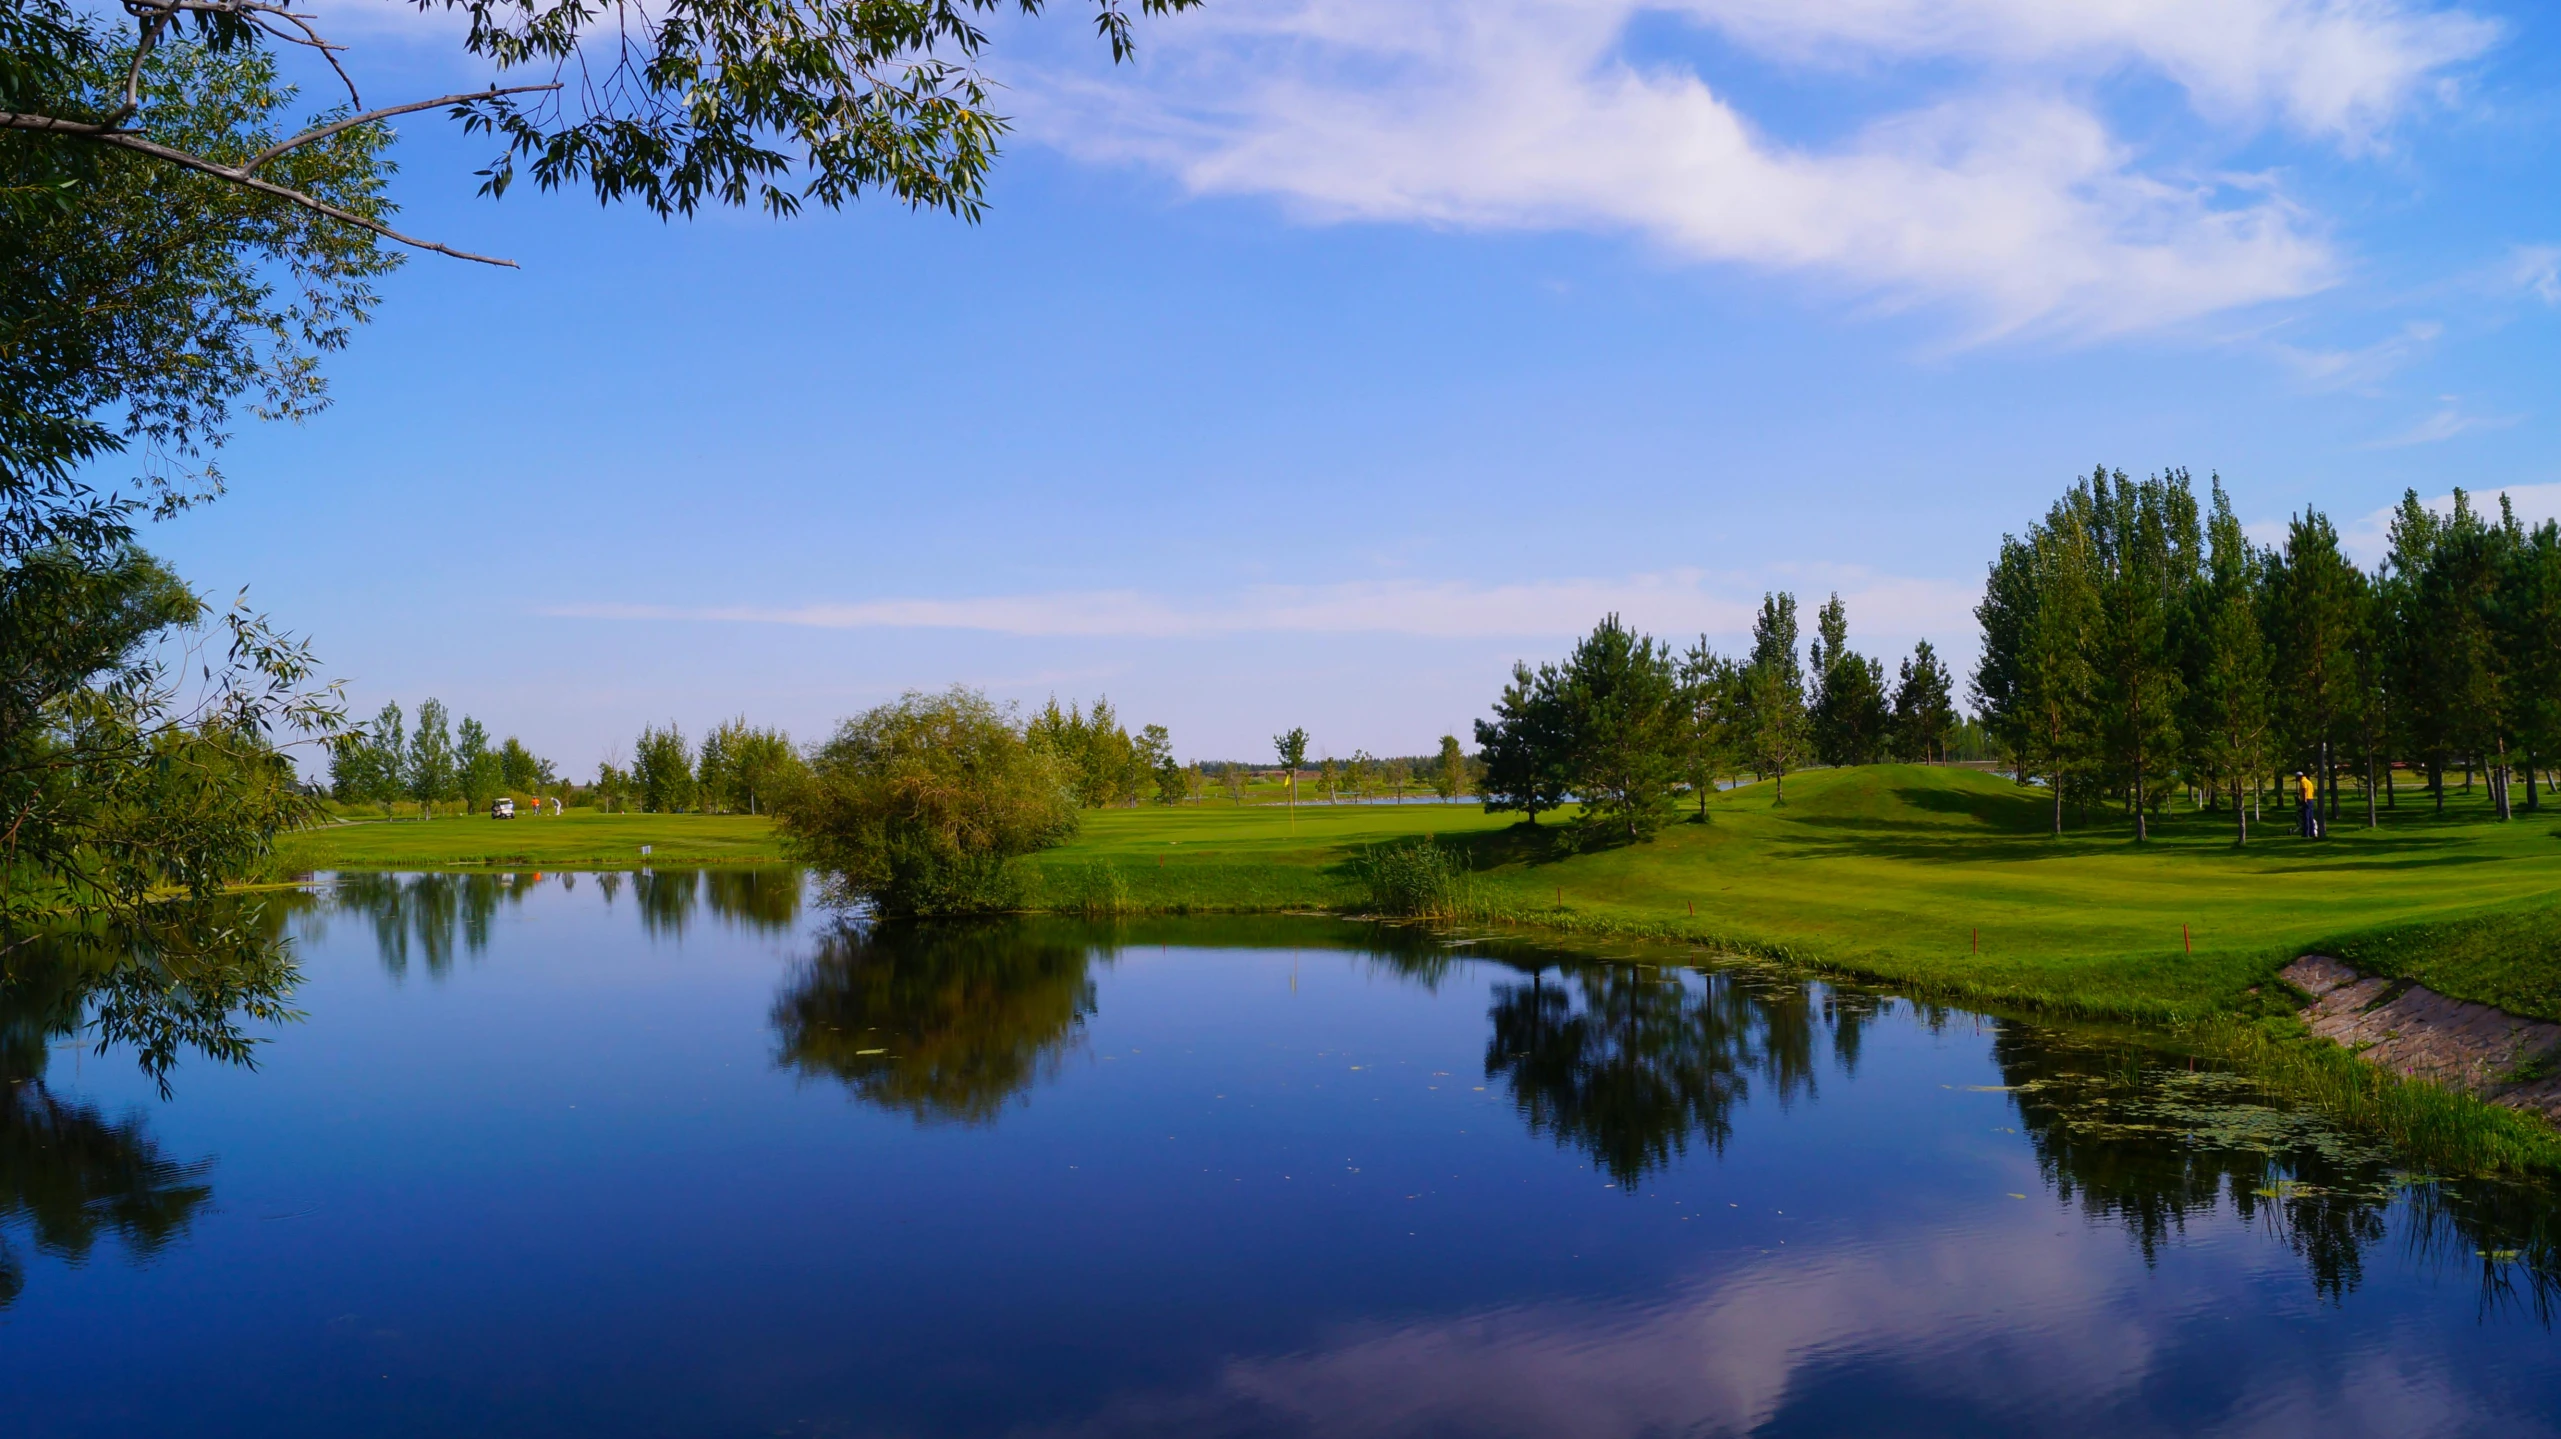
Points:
(683, 1154)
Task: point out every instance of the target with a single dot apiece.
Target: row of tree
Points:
(2135, 648)
(1625, 724)
(386, 761)
(739, 769)
(1103, 765)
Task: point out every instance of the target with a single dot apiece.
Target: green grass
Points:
(2511, 958)
(1945, 883)
(580, 839)
(1935, 878)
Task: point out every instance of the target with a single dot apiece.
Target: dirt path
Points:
(2413, 1030)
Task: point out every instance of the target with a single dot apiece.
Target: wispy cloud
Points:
(2362, 366)
(2449, 420)
(2534, 270)
(2368, 538)
(2005, 197)
(1674, 602)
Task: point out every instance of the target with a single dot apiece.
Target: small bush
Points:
(1097, 887)
(1421, 877)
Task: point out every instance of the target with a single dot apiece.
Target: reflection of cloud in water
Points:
(2007, 1327)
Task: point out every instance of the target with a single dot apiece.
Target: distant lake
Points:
(684, 1154)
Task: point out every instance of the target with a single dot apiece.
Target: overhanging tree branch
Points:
(242, 175)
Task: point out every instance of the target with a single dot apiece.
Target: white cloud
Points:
(2003, 1321)
(1675, 603)
(2342, 69)
(2008, 197)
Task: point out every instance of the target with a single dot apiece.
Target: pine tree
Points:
(1848, 717)
(1924, 711)
(1621, 709)
(1524, 746)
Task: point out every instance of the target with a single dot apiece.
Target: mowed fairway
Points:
(580, 839)
(1900, 872)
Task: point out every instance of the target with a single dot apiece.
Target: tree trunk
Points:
(2139, 832)
(2240, 815)
(2371, 819)
(2436, 784)
(2533, 800)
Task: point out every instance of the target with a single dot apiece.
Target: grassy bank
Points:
(580, 839)
(1943, 880)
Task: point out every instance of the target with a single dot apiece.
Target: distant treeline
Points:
(1625, 724)
(2133, 649)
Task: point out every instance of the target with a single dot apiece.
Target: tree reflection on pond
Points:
(1632, 1063)
(431, 918)
(942, 1021)
(2154, 1145)
(191, 983)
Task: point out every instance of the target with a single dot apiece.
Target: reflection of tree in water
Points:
(426, 917)
(430, 918)
(760, 899)
(1631, 1064)
(2151, 1147)
(944, 1021)
(192, 983)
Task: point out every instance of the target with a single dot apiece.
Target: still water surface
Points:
(678, 1154)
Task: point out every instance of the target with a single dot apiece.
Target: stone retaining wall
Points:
(2413, 1030)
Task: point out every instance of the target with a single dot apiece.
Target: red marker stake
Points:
(2184, 942)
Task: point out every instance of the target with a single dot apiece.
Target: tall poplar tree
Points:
(2316, 609)
(1776, 728)
(2146, 533)
(1711, 701)
(2227, 692)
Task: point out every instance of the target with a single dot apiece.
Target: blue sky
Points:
(1339, 352)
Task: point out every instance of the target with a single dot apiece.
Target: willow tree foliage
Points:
(672, 106)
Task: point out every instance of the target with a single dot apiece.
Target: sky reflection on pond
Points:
(681, 1154)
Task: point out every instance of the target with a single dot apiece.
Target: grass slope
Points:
(576, 840)
(1891, 871)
